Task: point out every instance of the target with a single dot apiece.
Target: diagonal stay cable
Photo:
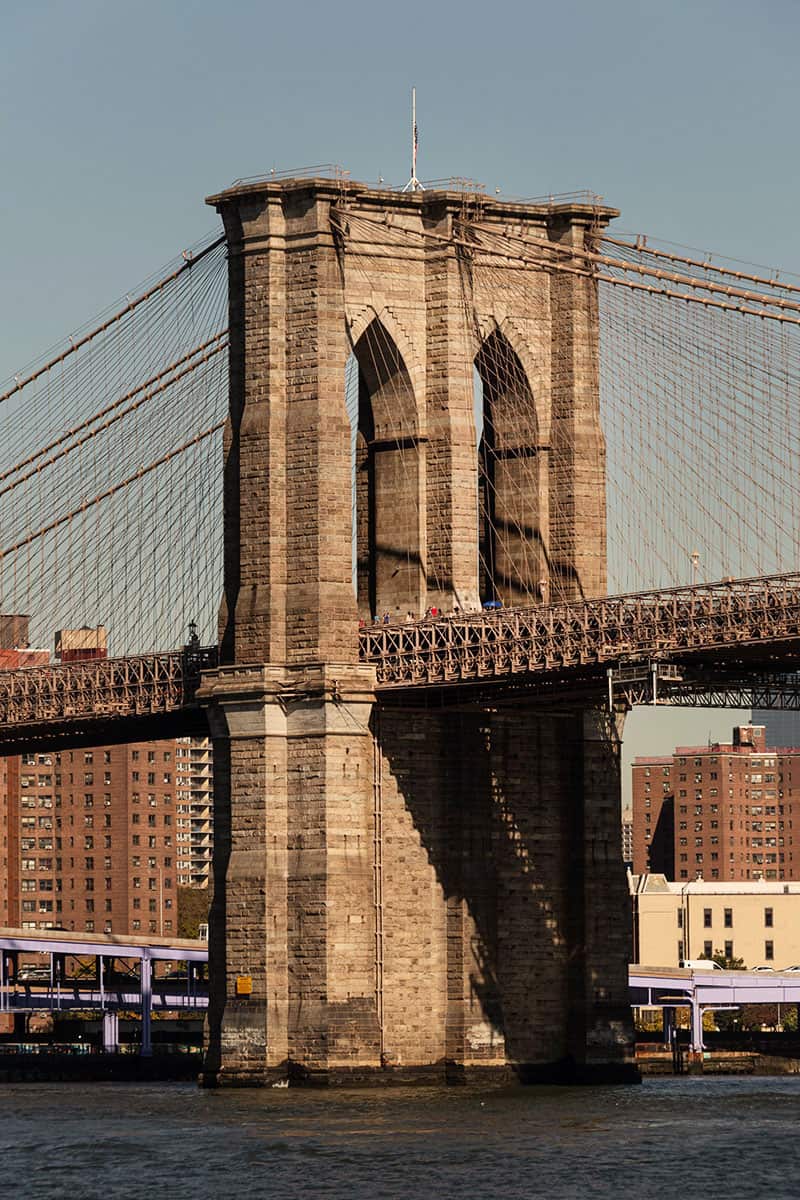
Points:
(117, 487)
(19, 384)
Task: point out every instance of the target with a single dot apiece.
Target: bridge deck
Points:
(749, 624)
(759, 619)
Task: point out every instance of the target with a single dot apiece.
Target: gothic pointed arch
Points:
(512, 479)
(388, 518)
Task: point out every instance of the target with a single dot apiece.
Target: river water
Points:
(669, 1138)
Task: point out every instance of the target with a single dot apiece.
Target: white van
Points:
(700, 964)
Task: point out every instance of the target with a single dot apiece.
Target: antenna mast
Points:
(414, 184)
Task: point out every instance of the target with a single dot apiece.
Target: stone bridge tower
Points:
(405, 889)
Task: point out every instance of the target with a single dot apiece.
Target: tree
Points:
(193, 906)
(727, 964)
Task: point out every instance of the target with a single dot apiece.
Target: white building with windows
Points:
(757, 921)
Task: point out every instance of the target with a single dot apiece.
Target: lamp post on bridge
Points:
(695, 561)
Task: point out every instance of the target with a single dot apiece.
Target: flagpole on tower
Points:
(414, 184)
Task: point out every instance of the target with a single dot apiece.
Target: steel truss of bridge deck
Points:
(750, 624)
(91, 692)
(657, 683)
(735, 642)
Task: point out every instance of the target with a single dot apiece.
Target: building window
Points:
(769, 951)
(729, 949)
(708, 949)
(707, 918)
(768, 917)
(729, 918)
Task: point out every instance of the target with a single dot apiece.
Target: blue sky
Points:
(116, 119)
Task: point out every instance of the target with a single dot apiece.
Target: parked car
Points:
(763, 968)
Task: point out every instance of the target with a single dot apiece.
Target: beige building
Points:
(757, 921)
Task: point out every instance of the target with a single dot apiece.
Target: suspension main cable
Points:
(642, 247)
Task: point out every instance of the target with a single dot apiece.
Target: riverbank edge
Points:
(735, 1062)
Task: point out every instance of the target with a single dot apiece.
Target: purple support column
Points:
(697, 1025)
(110, 1032)
(146, 1048)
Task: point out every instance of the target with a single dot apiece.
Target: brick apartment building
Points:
(719, 812)
(99, 839)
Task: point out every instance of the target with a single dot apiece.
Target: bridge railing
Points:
(687, 620)
(463, 647)
(139, 685)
